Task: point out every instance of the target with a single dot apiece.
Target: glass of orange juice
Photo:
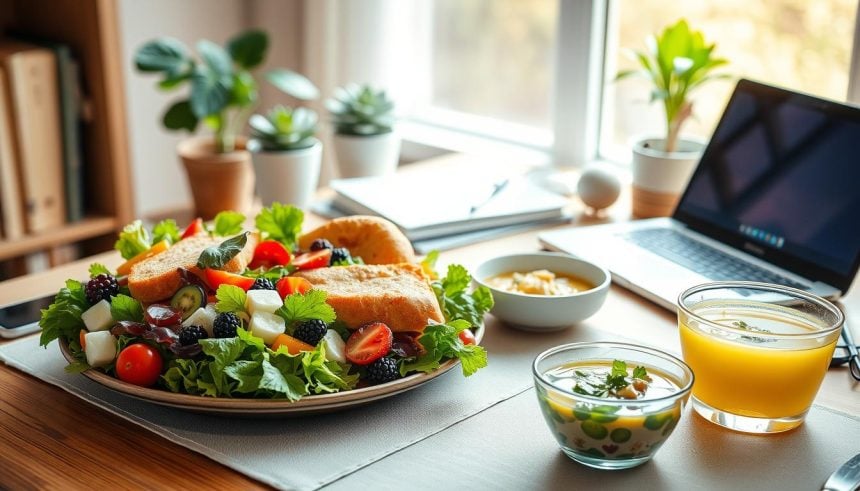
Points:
(759, 352)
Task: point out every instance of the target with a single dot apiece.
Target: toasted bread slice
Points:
(375, 240)
(396, 294)
(158, 277)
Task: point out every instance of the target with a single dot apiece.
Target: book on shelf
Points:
(429, 204)
(31, 76)
(11, 203)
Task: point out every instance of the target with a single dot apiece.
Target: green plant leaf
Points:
(179, 116)
(231, 298)
(293, 84)
(166, 230)
(97, 269)
(125, 308)
(210, 92)
(217, 256)
(165, 54)
(249, 48)
(244, 89)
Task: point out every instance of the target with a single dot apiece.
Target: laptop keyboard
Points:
(702, 258)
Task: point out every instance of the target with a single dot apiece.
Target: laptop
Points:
(775, 198)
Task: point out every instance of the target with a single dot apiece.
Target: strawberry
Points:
(369, 343)
(311, 260)
(291, 284)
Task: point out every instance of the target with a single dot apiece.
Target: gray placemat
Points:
(310, 452)
(509, 446)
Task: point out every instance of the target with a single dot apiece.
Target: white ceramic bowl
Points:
(539, 312)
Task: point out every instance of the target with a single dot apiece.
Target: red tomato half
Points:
(467, 337)
(195, 228)
(311, 260)
(292, 284)
(139, 364)
(270, 253)
(216, 278)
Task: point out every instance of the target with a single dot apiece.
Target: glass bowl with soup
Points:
(610, 405)
(543, 291)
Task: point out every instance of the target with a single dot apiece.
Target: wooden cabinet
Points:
(89, 27)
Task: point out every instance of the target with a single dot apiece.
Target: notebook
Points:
(428, 203)
(775, 198)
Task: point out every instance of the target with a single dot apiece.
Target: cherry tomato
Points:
(467, 337)
(311, 260)
(292, 284)
(269, 253)
(139, 364)
(195, 228)
(216, 278)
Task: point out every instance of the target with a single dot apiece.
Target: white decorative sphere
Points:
(598, 188)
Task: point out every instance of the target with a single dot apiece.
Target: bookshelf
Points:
(89, 27)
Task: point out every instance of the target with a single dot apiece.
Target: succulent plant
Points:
(360, 110)
(284, 128)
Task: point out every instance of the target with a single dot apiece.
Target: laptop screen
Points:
(781, 179)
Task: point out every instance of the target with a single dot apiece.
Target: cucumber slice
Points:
(188, 299)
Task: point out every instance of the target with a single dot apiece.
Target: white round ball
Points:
(598, 188)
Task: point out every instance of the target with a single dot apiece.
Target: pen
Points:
(497, 188)
(853, 356)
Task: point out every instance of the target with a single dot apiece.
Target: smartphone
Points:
(18, 319)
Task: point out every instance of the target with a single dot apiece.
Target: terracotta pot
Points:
(659, 178)
(289, 176)
(361, 156)
(219, 181)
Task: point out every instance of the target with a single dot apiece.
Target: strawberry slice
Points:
(311, 260)
(216, 278)
(291, 284)
(195, 228)
(369, 343)
(270, 253)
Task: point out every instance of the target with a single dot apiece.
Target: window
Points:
(796, 44)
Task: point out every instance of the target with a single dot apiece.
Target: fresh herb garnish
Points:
(274, 273)
(747, 327)
(228, 223)
(311, 305)
(125, 308)
(231, 298)
(452, 291)
(616, 380)
(217, 256)
(282, 223)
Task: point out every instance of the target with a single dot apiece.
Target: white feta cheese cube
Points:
(101, 348)
(97, 317)
(267, 326)
(203, 317)
(335, 348)
(263, 301)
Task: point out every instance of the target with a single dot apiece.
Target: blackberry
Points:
(225, 325)
(102, 287)
(262, 284)
(310, 331)
(191, 334)
(320, 244)
(339, 254)
(382, 370)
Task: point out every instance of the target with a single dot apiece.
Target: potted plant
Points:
(365, 143)
(287, 155)
(223, 93)
(677, 62)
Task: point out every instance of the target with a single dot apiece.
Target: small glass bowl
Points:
(610, 433)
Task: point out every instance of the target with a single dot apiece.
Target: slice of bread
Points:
(158, 277)
(375, 240)
(396, 294)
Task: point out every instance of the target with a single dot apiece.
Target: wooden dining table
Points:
(50, 438)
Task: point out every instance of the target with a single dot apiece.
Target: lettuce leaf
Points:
(125, 308)
(133, 239)
(456, 302)
(442, 341)
(63, 317)
(166, 230)
(228, 223)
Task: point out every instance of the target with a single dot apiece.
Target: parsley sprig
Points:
(616, 380)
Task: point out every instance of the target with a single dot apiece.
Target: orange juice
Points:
(755, 375)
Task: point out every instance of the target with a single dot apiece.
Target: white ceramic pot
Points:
(660, 177)
(289, 176)
(361, 156)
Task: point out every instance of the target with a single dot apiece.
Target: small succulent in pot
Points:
(284, 128)
(360, 110)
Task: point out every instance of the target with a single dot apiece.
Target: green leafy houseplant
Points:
(223, 89)
(285, 128)
(676, 62)
(360, 111)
